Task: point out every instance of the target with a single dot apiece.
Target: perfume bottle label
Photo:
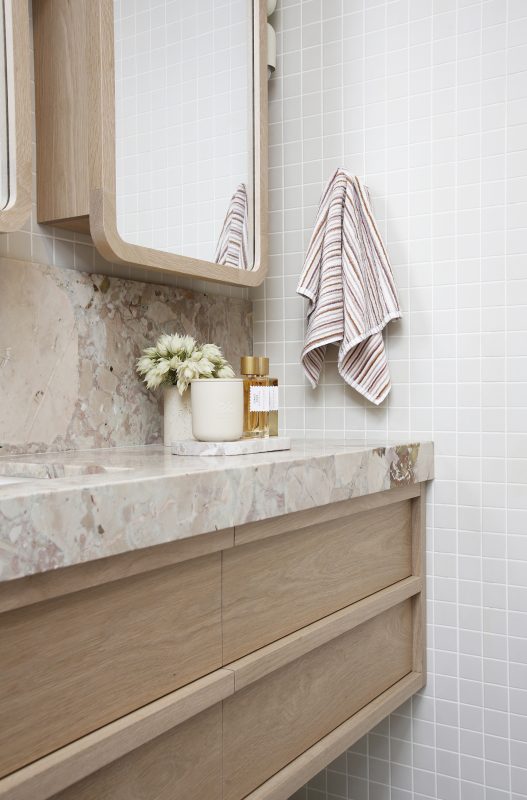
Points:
(259, 398)
(273, 398)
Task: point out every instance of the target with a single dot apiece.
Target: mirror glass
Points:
(184, 137)
(4, 138)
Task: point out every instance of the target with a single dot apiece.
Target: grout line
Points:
(506, 377)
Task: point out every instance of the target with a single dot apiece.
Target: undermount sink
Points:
(20, 471)
(6, 480)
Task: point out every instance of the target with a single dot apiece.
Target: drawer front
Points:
(74, 663)
(277, 585)
(271, 722)
(184, 764)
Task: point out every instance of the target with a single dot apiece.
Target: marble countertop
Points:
(69, 508)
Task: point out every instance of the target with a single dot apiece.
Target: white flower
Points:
(175, 342)
(212, 352)
(188, 344)
(225, 372)
(155, 376)
(144, 364)
(205, 367)
(189, 370)
(163, 344)
(177, 360)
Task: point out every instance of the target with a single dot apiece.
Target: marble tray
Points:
(191, 447)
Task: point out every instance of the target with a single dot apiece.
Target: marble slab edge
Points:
(191, 447)
(46, 527)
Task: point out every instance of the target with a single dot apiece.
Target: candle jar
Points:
(217, 409)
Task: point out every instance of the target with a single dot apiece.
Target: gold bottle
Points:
(255, 371)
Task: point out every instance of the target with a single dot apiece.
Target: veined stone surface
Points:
(69, 341)
(116, 500)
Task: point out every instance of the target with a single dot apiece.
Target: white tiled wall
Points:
(426, 99)
(183, 109)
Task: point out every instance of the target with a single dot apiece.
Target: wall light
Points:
(271, 39)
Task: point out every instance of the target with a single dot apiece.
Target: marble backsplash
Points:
(68, 345)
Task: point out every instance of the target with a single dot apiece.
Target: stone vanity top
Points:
(69, 508)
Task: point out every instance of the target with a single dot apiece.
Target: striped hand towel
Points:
(348, 281)
(232, 248)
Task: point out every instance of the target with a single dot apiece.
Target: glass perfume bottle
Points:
(255, 373)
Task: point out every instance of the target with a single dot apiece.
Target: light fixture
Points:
(271, 39)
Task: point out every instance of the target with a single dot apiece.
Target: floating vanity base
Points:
(285, 640)
(191, 447)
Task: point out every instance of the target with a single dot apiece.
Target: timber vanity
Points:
(204, 628)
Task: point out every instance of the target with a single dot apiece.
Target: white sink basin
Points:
(19, 471)
(7, 479)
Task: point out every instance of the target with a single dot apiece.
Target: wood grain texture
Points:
(184, 764)
(46, 585)
(274, 720)
(114, 639)
(52, 774)
(77, 224)
(419, 568)
(61, 109)
(18, 45)
(256, 665)
(292, 777)
(275, 586)
(103, 215)
(253, 531)
(72, 664)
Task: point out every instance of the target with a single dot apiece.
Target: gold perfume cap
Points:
(254, 365)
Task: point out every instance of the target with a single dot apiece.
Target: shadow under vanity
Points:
(204, 628)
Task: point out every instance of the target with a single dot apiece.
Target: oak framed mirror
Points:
(15, 115)
(162, 131)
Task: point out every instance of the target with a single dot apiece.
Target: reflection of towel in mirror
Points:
(232, 248)
(348, 280)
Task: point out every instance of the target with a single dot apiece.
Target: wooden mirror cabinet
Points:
(78, 172)
(15, 113)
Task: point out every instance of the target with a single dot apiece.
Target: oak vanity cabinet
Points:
(230, 665)
(75, 662)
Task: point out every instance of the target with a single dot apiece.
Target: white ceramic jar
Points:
(217, 409)
(177, 425)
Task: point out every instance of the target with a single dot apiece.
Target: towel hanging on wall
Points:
(348, 281)
(233, 245)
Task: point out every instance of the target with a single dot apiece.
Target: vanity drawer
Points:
(277, 585)
(272, 721)
(72, 664)
(183, 764)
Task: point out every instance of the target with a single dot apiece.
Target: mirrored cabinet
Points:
(152, 131)
(15, 115)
